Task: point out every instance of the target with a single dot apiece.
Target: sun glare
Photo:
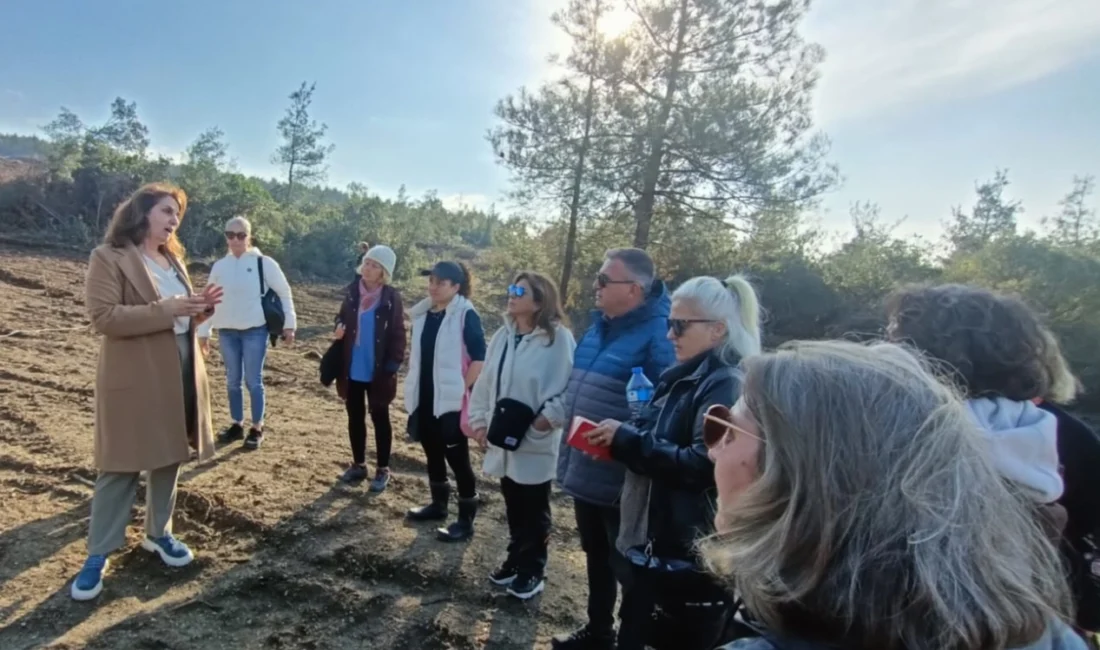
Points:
(615, 22)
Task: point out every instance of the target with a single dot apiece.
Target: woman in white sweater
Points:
(517, 410)
(242, 329)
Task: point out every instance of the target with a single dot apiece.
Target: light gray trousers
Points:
(113, 503)
(113, 500)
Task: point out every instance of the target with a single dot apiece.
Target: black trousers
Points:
(529, 521)
(445, 445)
(356, 403)
(598, 527)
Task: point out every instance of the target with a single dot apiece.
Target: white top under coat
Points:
(169, 285)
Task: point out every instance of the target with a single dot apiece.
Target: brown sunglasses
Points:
(719, 429)
(229, 234)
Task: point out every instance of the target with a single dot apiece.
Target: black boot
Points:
(463, 529)
(437, 509)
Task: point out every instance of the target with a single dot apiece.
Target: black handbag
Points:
(674, 579)
(511, 418)
(680, 594)
(332, 363)
(274, 315)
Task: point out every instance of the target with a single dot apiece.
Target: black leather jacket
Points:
(665, 443)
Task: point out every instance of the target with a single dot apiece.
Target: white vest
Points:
(450, 384)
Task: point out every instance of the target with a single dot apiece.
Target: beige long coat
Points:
(140, 421)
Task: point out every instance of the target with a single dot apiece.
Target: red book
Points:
(577, 440)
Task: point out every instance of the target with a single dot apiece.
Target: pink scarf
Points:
(368, 298)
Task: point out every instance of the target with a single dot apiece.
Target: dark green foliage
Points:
(806, 290)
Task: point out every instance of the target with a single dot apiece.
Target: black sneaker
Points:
(354, 474)
(584, 639)
(255, 438)
(232, 433)
(503, 576)
(526, 586)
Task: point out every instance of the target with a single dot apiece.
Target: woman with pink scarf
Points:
(371, 324)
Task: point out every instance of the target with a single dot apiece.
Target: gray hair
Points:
(240, 221)
(878, 519)
(732, 302)
(638, 264)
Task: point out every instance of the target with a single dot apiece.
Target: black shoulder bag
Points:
(511, 418)
(274, 316)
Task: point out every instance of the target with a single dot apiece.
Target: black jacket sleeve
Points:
(661, 457)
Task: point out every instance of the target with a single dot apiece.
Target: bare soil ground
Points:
(287, 556)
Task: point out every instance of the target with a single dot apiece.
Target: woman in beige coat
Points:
(151, 392)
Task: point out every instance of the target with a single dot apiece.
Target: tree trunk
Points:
(575, 202)
(643, 209)
(290, 184)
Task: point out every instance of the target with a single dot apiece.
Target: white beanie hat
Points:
(384, 256)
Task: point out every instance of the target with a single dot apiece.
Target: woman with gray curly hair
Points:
(859, 508)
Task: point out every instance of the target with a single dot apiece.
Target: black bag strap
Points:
(260, 267)
(500, 368)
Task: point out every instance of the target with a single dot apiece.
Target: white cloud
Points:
(882, 55)
(13, 94)
(465, 201)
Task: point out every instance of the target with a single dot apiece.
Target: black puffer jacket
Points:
(665, 443)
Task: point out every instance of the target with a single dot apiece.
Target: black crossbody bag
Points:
(511, 418)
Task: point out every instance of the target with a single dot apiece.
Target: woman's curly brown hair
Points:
(994, 345)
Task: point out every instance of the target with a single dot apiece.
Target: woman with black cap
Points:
(448, 350)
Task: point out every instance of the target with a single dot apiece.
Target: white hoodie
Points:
(240, 308)
(1024, 442)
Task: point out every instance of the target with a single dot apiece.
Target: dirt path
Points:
(287, 556)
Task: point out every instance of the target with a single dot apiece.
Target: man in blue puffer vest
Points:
(629, 330)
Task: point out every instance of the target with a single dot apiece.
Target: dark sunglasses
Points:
(719, 429)
(680, 325)
(229, 234)
(602, 280)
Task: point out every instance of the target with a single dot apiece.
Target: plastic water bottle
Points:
(639, 390)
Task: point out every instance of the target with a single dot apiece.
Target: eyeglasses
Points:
(718, 428)
(516, 291)
(680, 325)
(602, 280)
(231, 234)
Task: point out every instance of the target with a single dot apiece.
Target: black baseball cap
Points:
(446, 271)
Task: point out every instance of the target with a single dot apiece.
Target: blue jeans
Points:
(243, 352)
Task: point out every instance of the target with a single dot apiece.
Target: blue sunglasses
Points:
(516, 291)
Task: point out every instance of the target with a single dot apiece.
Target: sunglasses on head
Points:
(230, 234)
(602, 280)
(719, 429)
(680, 325)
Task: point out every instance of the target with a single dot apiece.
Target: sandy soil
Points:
(287, 556)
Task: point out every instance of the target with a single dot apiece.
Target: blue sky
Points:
(920, 97)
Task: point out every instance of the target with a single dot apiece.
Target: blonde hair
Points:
(1064, 385)
(878, 520)
(240, 221)
(734, 303)
(385, 274)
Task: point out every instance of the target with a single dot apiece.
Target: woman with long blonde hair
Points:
(859, 507)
